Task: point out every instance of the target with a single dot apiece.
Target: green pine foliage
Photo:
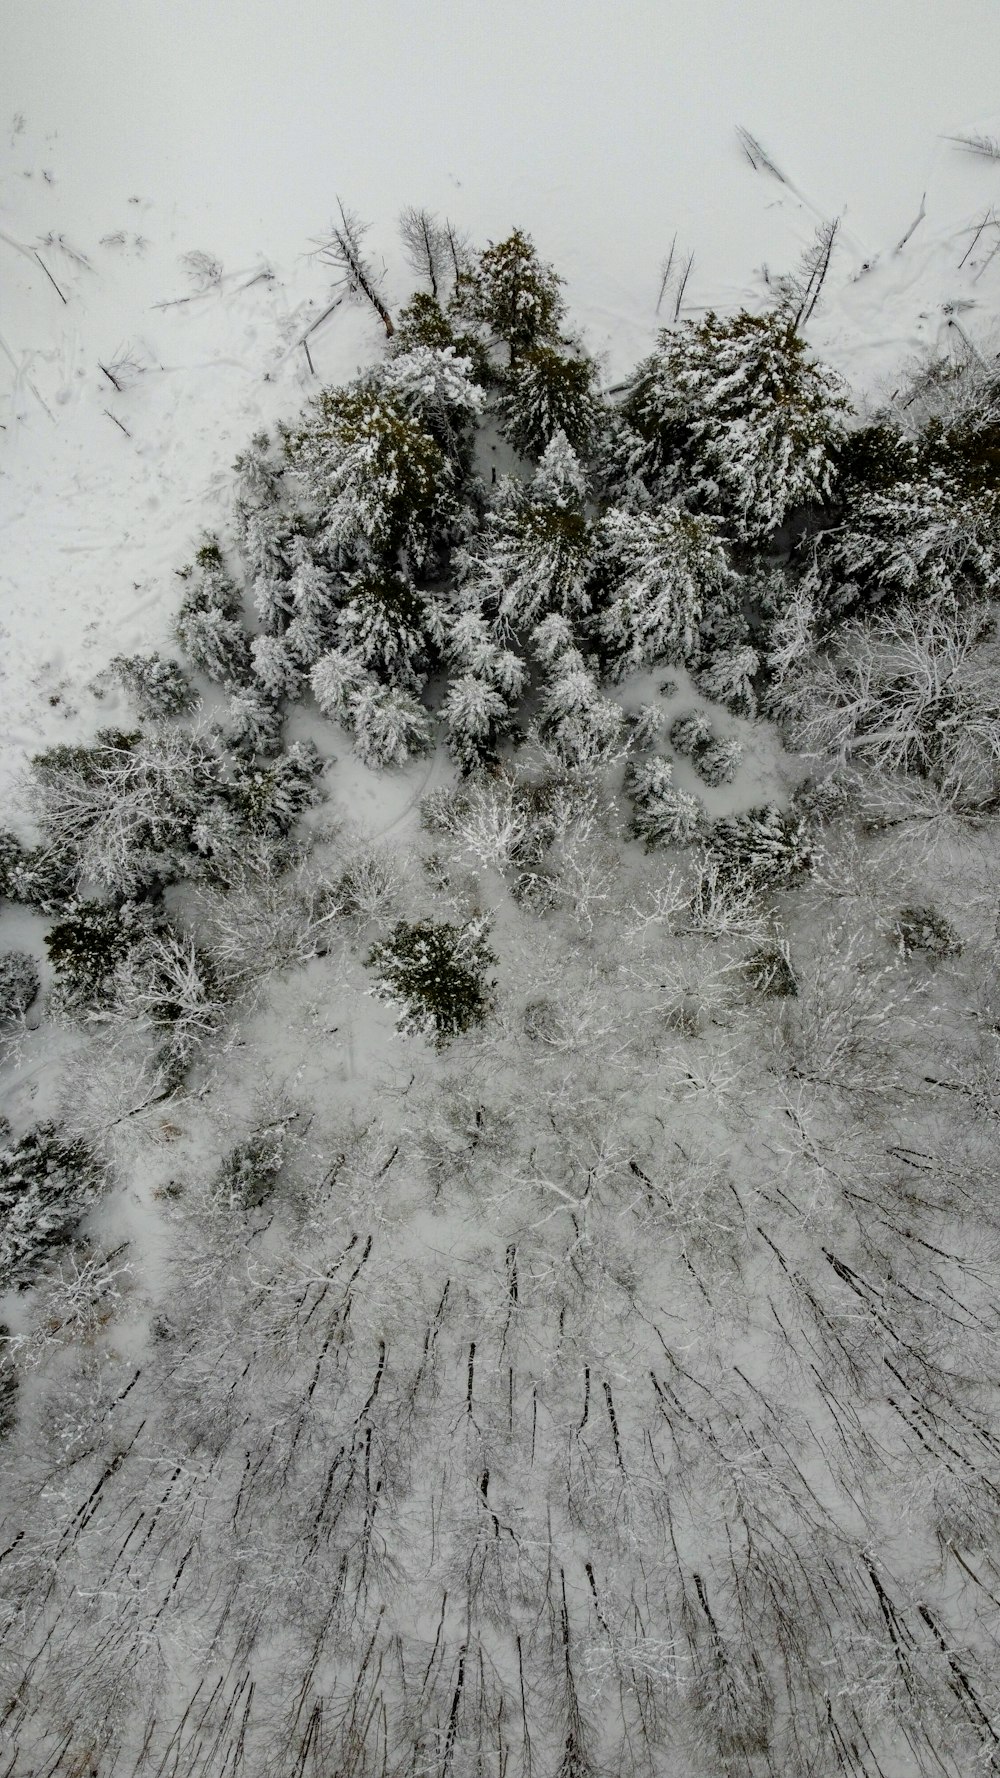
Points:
(47, 1183)
(735, 411)
(158, 686)
(766, 847)
(381, 485)
(437, 975)
(551, 391)
(514, 293)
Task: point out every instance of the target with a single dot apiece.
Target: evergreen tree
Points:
(515, 293)
(268, 799)
(254, 723)
(765, 846)
(719, 761)
(436, 974)
(383, 623)
(19, 984)
(550, 392)
(380, 482)
(690, 733)
(277, 666)
(922, 535)
(727, 678)
(734, 411)
(470, 645)
(659, 574)
(157, 686)
(208, 625)
(436, 388)
(582, 726)
(476, 715)
(390, 726)
(534, 554)
(47, 1184)
(662, 815)
(336, 679)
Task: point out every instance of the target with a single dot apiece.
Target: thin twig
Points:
(117, 422)
(48, 274)
(685, 275)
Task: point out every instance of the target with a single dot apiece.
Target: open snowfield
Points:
(610, 1392)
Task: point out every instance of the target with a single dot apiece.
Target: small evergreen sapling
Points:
(158, 686)
(719, 761)
(19, 984)
(583, 727)
(924, 929)
(208, 625)
(437, 975)
(727, 677)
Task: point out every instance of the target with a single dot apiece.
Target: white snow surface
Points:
(135, 136)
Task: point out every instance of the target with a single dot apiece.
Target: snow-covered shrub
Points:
(157, 685)
(209, 625)
(767, 846)
(368, 886)
(736, 413)
(581, 726)
(389, 724)
(727, 678)
(436, 974)
(550, 392)
(42, 877)
(47, 1183)
(19, 983)
(770, 973)
(690, 733)
(269, 910)
(125, 806)
(659, 574)
(165, 984)
(534, 553)
(719, 761)
(268, 800)
(379, 481)
(915, 690)
(514, 293)
(924, 929)
(251, 1170)
(487, 815)
(662, 815)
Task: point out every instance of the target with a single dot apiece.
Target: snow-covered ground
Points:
(145, 145)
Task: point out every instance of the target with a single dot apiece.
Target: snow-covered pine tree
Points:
(277, 666)
(19, 984)
(659, 574)
(471, 646)
(765, 846)
(476, 715)
(157, 685)
(727, 678)
(550, 391)
(389, 724)
(514, 293)
(381, 484)
(662, 815)
(383, 623)
(208, 625)
(336, 678)
(719, 761)
(436, 387)
(582, 726)
(253, 727)
(534, 553)
(734, 412)
(690, 733)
